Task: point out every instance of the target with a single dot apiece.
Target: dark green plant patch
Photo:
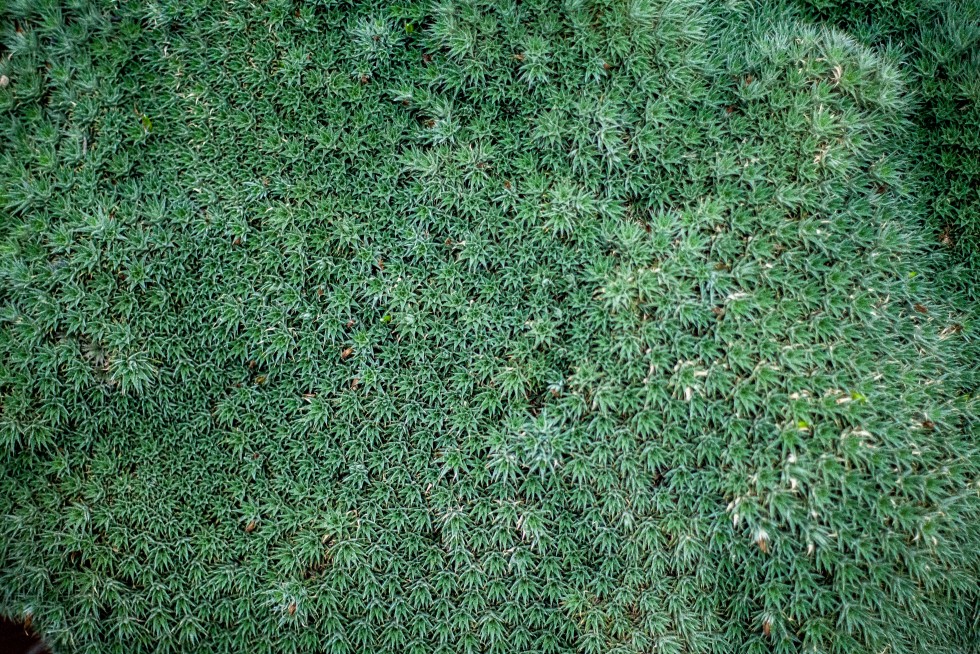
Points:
(939, 43)
(473, 327)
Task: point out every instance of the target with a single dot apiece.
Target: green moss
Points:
(538, 326)
(939, 41)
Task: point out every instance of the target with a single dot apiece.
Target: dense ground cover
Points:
(939, 41)
(504, 326)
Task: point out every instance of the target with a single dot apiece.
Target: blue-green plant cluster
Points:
(939, 44)
(512, 326)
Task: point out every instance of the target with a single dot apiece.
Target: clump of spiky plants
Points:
(584, 326)
(939, 41)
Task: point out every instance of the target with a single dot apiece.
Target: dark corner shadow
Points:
(15, 638)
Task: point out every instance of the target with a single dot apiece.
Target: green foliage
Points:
(940, 40)
(473, 327)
